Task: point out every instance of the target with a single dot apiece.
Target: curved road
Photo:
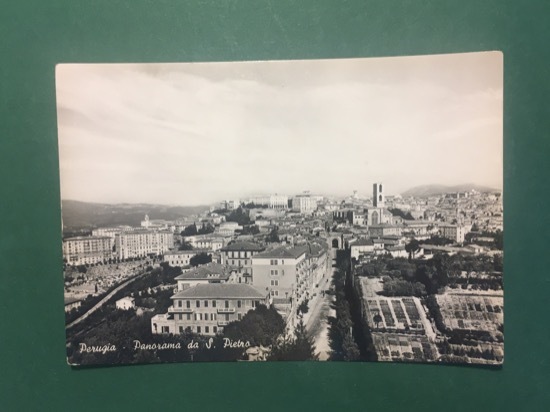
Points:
(103, 301)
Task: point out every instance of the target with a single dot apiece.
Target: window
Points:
(181, 329)
(206, 329)
(179, 303)
(274, 272)
(188, 316)
(239, 303)
(198, 303)
(213, 303)
(198, 329)
(239, 316)
(180, 316)
(215, 329)
(188, 303)
(226, 303)
(274, 282)
(273, 262)
(205, 303)
(227, 317)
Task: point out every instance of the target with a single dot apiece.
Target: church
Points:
(378, 214)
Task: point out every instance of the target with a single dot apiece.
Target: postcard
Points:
(331, 210)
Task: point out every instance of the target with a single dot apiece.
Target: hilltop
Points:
(433, 190)
(84, 215)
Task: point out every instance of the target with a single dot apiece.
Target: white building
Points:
(182, 258)
(304, 204)
(454, 232)
(141, 243)
(84, 250)
(361, 246)
(125, 303)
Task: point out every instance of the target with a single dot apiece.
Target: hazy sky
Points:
(197, 133)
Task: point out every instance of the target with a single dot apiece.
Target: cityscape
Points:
(377, 278)
(330, 210)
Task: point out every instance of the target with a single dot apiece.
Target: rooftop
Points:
(283, 252)
(87, 238)
(221, 291)
(363, 242)
(205, 272)
(239, 246)
(187, 252)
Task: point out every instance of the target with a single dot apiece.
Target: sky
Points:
(199, 133)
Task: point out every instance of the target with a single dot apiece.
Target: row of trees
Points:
(342, 343)
(192, 230)
(433, 274)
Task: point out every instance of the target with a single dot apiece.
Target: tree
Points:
(350, 348)
(400, 213)
(250, 230)
(261, 326)
(239, 216)
(303, 307)
(300, 347)
(377, 319)
(190, 230)
(205, 229)
(200, 259)
(273, 236)
(412, 247)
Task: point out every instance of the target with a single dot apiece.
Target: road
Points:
(103, 301)
(317, 319)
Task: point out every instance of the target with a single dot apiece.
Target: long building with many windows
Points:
(141, 243)
(206, 309)
(84, 250)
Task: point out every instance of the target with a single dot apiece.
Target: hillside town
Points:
(418, 278)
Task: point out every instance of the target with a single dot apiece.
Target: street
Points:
(316, 319)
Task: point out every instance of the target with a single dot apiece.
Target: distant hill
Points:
(434, 190)
(83, 215)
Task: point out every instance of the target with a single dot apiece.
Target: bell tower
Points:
(378, 195)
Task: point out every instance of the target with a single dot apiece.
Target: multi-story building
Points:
(304, 204)
(282, 272)
(141, 243)
(84, 250)
(239, 255)
(182, 258)
(278, 202)
(382, 230)
(454, 232)
(316, 254)
(227, 228)
(111, 232)
(208, 241)
(209, 273)
(206, 309)
(360, 247)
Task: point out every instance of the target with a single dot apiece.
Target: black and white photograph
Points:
(286, 210)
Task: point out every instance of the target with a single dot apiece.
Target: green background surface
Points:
(35, 35)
